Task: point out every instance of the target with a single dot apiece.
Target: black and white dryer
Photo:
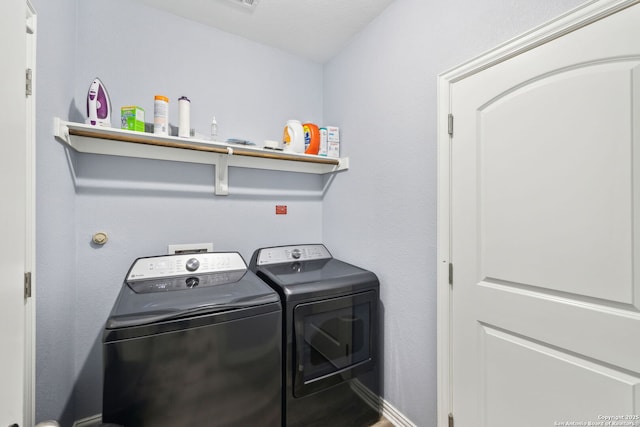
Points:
(330, 335)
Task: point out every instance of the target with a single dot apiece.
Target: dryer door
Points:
(335, 340)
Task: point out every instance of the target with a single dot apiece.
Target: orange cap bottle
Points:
(311, 138)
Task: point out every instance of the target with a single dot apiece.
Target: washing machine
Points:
(193, 340)
(330, 335)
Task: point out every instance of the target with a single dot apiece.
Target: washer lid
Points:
(163, 296)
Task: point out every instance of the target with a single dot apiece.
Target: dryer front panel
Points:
(334, 340)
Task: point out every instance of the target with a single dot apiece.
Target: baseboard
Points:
(397, 418)
(89, 422)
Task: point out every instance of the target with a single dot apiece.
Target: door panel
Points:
(13, 190)
(558, 374)
(568, 140)
(545, 232)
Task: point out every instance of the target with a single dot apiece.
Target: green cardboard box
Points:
(132, 118)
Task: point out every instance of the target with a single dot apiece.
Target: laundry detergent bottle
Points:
(311, 138)
(293, 137)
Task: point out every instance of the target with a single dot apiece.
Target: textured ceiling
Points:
(313, 29)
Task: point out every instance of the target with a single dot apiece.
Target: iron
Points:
(98, 105)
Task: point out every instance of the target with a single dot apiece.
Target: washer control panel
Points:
(173, 283)
(282, 254)
(185, 264)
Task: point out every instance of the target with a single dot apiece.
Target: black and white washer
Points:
(330, 335)
(193, 340)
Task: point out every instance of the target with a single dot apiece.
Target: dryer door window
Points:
(334, 340)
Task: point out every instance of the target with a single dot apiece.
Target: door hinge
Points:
(451, 274)
(29, 82)
(450, 124)
(27, 285)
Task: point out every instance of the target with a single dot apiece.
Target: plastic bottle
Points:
(184, 117)
(214, 129)
(161, 115)
(323, 142)
(311, 138)
(293, 137)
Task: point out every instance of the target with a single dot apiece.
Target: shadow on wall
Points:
(381, 341)
(87, 390)
(86, 397)
(75, 115)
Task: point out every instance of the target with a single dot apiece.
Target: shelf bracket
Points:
(222, 174)
(61, 130)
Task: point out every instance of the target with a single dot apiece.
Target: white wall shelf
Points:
(118, 142)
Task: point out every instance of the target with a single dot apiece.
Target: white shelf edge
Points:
(119, 142)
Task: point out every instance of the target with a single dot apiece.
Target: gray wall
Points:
(56, 214)
(381, 91)
(144, 205)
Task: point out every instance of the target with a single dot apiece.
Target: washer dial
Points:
(192, 264)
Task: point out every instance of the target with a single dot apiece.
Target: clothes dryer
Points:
(330, 335)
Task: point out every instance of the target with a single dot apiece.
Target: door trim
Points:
(574, 19)
(30, 221)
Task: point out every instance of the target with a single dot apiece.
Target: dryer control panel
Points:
(185, 264)
(282, 254)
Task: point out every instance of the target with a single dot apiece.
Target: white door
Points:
(545, 233)
(13, 208)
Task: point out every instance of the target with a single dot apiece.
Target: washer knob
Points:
(192, 282)
(295, 254)
(192, 264)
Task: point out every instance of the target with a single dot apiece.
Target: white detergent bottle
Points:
(293, 137)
